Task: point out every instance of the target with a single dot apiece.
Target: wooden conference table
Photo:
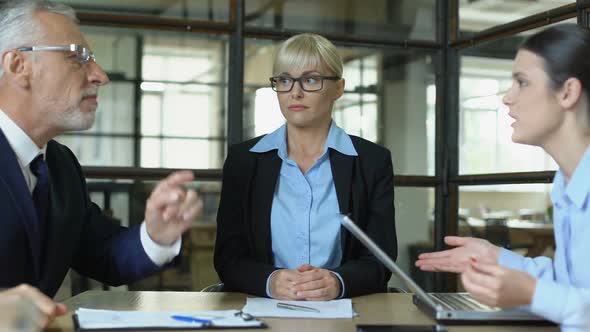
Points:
(372, 309)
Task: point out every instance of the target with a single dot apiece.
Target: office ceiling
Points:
(194, 9)
(477, 15)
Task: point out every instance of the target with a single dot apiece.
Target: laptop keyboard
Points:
(459, 301)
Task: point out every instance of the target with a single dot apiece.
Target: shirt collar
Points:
(277, 140)
(578, 187)
(23, 146)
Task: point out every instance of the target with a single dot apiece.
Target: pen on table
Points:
(296, 307)
(189, 319)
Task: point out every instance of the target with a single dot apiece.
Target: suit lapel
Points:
(342, 166)
(56, 231)
(342, 173)
(267, 173)
(12, 175)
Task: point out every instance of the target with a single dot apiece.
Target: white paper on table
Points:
(120, 319)
(263, 307)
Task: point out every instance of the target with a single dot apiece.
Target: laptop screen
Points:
(387, 261)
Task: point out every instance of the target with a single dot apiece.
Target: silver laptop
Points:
(458, 308)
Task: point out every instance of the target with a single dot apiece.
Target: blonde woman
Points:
(278, 225)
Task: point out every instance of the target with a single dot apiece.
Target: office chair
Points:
(396, 290)
(218, 287)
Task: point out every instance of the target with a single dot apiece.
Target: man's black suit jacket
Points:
(364, 187)
(78, 234)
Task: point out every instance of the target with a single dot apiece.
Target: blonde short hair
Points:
(308, 50)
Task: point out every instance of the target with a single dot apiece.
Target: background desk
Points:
(540, 235)
(372, 309)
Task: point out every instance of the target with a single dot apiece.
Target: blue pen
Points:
(188, 319)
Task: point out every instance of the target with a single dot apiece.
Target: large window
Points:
(357, 112)
(183, 102)
(165, 105)
(110, 142)
(485, 142)
(385, 100)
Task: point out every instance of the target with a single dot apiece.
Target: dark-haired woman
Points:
(549, 103)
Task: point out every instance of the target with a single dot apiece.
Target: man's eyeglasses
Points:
(83, 54)
(309, 83)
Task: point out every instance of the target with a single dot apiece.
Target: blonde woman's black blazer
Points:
(364, 187)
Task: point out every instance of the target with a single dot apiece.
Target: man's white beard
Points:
(77, 120)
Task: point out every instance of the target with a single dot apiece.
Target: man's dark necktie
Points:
(41, 196)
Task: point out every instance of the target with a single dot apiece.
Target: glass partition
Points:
(181, 107)
(202, 10)
(485, 144)
(414, 223)
(380, 19)
(477, 15)
(514, 216)
(389, 99)
(124, 201)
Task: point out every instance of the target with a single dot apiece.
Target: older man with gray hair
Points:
(49, 83)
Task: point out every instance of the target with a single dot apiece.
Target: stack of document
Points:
(263, 307)
(91, 319)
